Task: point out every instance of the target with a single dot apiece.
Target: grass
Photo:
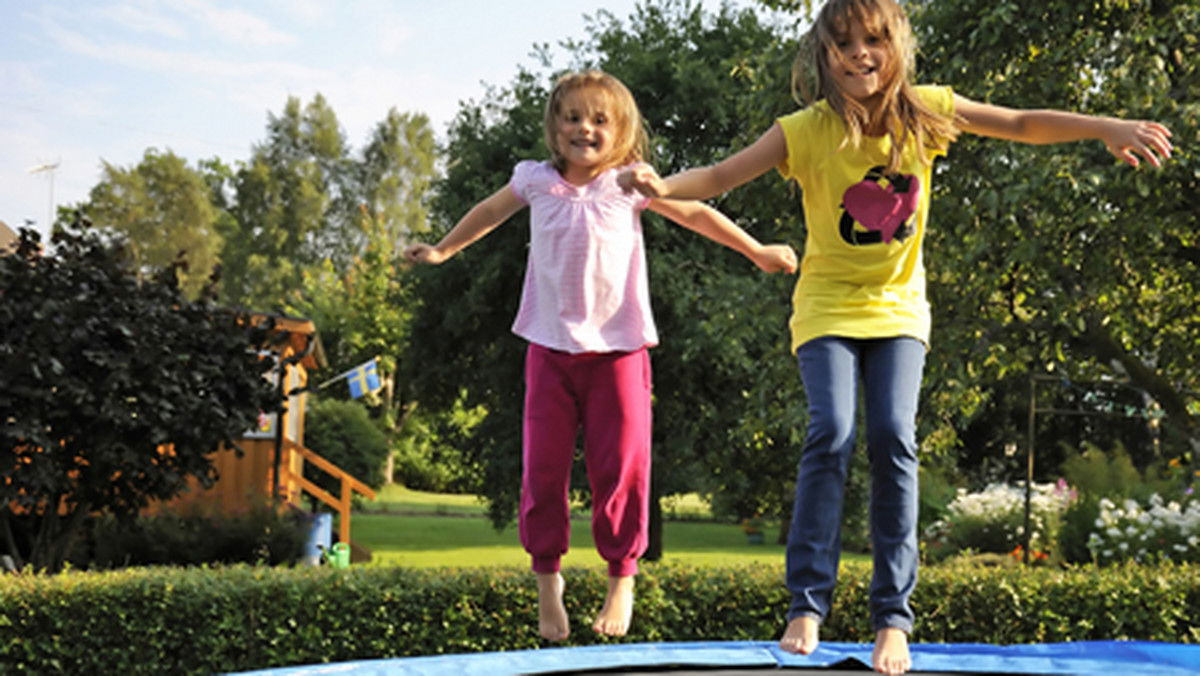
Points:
(396, 499)
(411, 528)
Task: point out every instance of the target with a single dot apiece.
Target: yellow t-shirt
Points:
(862, 275)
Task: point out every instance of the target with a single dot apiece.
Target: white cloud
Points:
(235, 25)
(393, 33)
(140, 18)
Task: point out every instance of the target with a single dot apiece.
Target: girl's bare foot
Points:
(553, 623)
(617, 612)
(891, 655)
(801, 635)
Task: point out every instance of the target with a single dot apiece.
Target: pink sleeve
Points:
(522, 176)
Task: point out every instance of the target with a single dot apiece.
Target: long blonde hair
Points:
(630, 141)
(905, 117)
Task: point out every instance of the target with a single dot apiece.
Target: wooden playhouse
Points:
(274, 455)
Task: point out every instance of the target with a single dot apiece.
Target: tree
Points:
(1057, 259)
(164, 210)
(114, 390)
(396, 173)
(300, 200)
(285, 206)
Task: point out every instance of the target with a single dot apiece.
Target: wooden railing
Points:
(349, 485)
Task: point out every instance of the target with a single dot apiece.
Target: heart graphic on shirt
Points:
(883, 208)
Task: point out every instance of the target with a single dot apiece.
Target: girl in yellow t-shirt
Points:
(862, 154)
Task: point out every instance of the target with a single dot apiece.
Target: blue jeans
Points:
(890, 371)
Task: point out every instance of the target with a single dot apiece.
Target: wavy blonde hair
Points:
(630, 141)
(905, 117)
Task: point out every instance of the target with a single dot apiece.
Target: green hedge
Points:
(205, 621)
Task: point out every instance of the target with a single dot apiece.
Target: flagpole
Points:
(345, 375)
(334, 379)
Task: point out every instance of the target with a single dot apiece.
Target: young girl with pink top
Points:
(862, 152)
(585, 310)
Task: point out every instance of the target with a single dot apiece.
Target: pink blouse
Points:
(586, 287)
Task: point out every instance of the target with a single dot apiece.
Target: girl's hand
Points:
(776, 258)
(643, 179)
(423, 253)
(1129, 138)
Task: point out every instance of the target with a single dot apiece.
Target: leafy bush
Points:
(1078, 523)
(993, 520)
(1112, 478)
(343, 433)
(1157, 530)
(263, 535)
(1095, 472)
(936, 492)
(428, 455)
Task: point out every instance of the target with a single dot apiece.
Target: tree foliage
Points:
(284, 210)
(114, 391)
(1058, 259)
(299, 201)
(164, 210)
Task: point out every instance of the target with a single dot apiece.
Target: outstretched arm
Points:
(479, 221)
(1126, 139)
(702, 183)
(705, 220)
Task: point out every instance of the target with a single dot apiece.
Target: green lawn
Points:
(396, 499)
(411, 528)
(424, 541)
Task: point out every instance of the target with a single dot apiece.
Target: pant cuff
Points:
(627, 568)
(547, 564)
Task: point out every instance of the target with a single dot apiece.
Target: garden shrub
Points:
(343, 433)
(935, 493)
(993, 520)
(240, 618)
(1078, 524)
(428, 455)
(260, 535)
(1155, 531)
(1094, 472)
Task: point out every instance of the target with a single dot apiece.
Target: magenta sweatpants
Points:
(608, 396)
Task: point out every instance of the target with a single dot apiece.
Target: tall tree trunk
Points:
(654, 549)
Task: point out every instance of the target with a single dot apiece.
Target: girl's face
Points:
(585, 133)
(859, 63)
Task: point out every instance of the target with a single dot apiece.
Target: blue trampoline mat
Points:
(758, 657)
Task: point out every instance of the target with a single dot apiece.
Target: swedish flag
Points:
(363, 379)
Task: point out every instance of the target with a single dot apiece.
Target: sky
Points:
(83, 83)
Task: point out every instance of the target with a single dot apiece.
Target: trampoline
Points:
(754, 658)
